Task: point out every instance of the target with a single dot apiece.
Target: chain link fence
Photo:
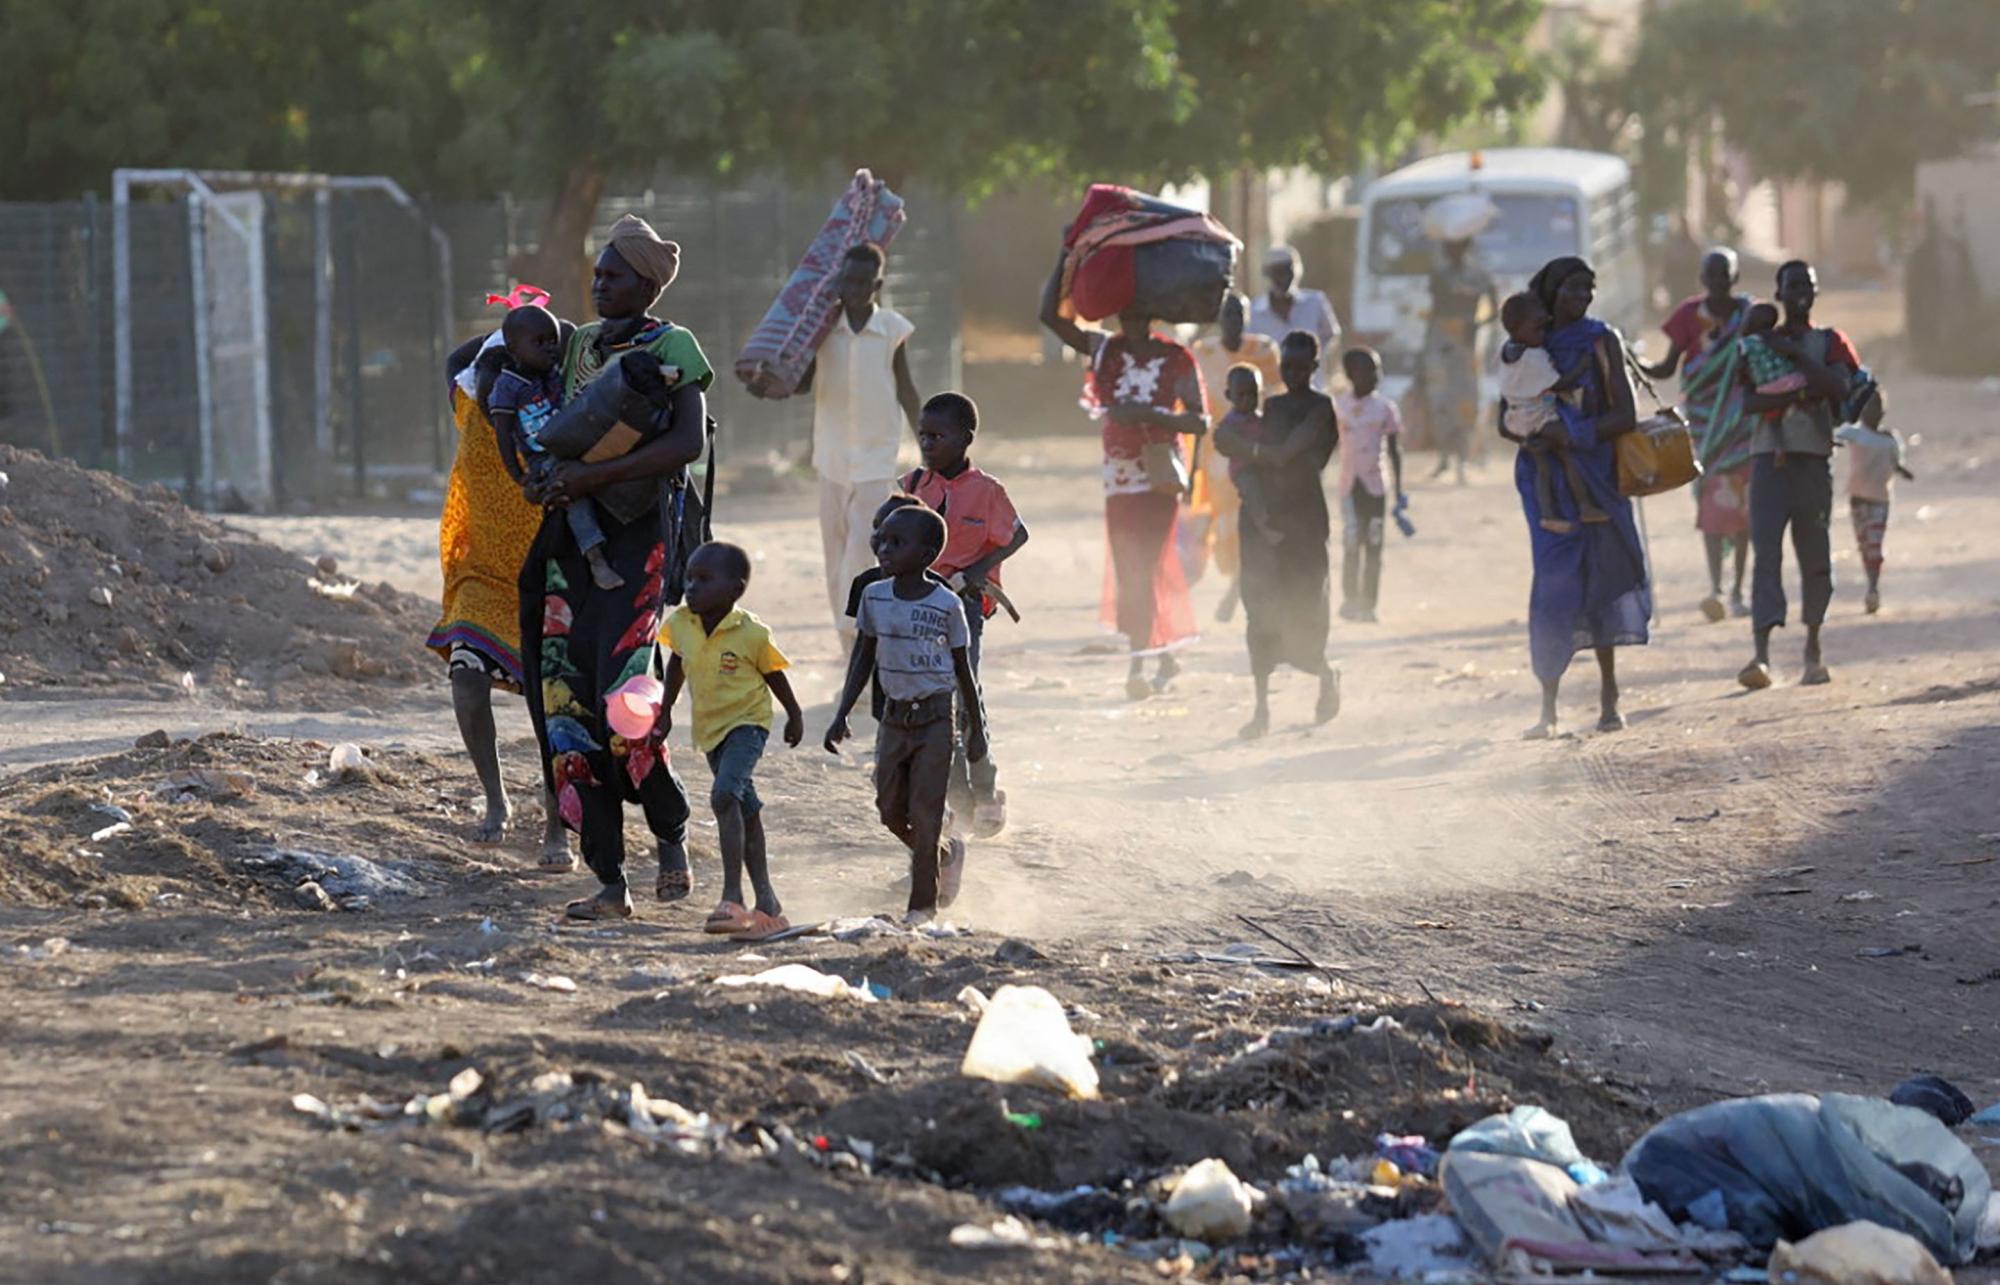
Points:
(350, 406)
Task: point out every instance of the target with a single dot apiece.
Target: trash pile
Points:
(227, 820)
(106, 584)
(1837, 1188)
(553, 1099)
(1829, 1188)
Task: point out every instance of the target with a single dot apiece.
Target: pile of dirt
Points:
(105, 584)
(227, 821)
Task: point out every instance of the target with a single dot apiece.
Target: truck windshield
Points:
(1531, 230)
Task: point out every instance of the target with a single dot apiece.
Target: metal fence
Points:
(354, 391)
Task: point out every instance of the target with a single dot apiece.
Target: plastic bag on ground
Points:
(1529, 1132)
(804, 979)
(1785, 1166)
(1023, 1037)
(1856, 1254)
(1210, 1203)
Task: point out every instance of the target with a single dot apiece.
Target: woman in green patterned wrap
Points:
(580, 644)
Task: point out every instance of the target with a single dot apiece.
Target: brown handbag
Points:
(1658, 455)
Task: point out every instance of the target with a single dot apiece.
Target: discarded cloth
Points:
(1784, 1166)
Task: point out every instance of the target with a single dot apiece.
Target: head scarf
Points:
(1545, 285)
(1286, 256)
(652, 258)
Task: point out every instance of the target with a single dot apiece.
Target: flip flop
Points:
(674, 884)
(556, 863)
(727, 919)
(762, 927)
(593, 909)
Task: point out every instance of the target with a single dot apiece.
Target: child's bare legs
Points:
(1738, 607)
(741, 839)
(1254, 507)
(1586, 507)
(601, 573)
(1545, 492)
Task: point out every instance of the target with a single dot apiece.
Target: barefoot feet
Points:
(493, 826)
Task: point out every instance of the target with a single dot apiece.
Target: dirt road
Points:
(1698, 906)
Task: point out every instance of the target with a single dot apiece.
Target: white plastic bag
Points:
(1459, 217)
(804, 979)
(1211, 1203)
(1024, 1038)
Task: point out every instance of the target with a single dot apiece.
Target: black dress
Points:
(1286, 586)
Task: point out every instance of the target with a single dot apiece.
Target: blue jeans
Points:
(732, 761)
(1798, 496)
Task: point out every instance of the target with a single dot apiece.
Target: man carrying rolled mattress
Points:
(859, 380)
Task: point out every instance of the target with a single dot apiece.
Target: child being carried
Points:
(527, 392)
(1245, 392)
(1532, 389)
(1771, 371)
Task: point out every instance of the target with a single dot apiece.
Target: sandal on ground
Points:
(727, 919)
(674, 883)
(556, 863)
(1611, 723)
(593, 909)
(1137, 688)
(761, 927)
(1755, 676)
(989, 816)
(1712, 608)
(1816, 675)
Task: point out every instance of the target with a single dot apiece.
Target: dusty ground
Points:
(1680, 906)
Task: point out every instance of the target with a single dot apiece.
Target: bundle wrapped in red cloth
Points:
(1127, 250)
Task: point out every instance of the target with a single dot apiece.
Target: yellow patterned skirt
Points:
(483, 537)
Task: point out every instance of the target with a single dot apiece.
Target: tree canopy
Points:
(963, 94)
(1851, 91)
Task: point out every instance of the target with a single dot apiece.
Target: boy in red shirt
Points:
(982, 530)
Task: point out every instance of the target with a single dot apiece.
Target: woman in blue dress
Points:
(1591, 587)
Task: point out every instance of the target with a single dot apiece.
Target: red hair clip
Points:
(521, 296)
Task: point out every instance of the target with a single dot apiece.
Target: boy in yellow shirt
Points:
(726, 657)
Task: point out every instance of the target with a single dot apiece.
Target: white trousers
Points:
(846, 521)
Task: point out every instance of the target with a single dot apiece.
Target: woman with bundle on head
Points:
(1148, 391)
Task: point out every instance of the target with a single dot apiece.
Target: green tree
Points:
(559, 98)
(372, 86)
(1850, 91)
(971, 94)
